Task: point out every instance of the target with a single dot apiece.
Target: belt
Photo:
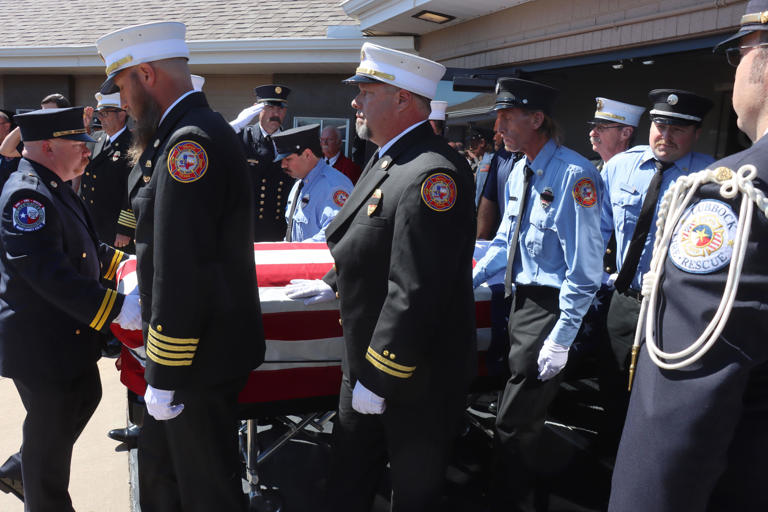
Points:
(635, 294)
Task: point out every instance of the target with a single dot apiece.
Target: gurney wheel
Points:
(268, 500)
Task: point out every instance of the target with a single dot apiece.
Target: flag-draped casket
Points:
(304, 343)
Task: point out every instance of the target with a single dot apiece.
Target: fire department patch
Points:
(187, 161)
(702, 242)
(439, 192)
(340, 197)
(28, 215)
(585, 193)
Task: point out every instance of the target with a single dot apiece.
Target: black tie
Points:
(508, 278)
(289, 229)
(642, 228)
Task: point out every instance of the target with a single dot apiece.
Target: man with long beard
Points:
(402, 246)
(200, 309)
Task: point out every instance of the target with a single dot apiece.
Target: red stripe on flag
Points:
(281, 274)
(302, 325)
(289, 246)
(291, 384)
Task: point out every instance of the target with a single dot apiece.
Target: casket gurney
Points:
(301, 374)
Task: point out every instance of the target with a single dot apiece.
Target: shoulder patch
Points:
(28, 215)
(439, 192)
(585, 192)
(187, 161)
(702, 242)
(340, 197)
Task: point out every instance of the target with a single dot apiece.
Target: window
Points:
(342, 123)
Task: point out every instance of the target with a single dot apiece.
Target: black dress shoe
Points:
(129, 436)
(13, 486)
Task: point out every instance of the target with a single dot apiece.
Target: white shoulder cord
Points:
(672, 207)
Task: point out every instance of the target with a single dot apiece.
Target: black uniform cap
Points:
(273, 94)
(519, 93)
(674, 106)
(297, 140)
(53, 123)
(755, 18)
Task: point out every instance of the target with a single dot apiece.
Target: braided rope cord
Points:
(673, 204)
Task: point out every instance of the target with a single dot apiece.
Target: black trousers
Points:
(57, 413)
(415, 439)
(191, 462)
(614, 367)
(524, 403)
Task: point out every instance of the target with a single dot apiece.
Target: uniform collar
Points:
(264, 132)
(539, 164)
(313, 175)
(178, 100)
(383, 149)
(682, 164)
(47, 176)
(334, 159)
(112, 138)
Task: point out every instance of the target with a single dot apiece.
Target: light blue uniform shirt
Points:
(559, 244)
(627, 176)
(324, 192)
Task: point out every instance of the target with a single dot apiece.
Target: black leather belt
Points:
(635, 294)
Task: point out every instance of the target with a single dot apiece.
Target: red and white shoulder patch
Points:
(585, 192)
(439, 192)
(340, 197)
(187, 161)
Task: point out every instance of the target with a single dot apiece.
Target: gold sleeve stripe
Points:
(175, 348)
(127, 218)
(116, 258)
(387, 369)
(166, 362)
(392, 364)
(171, 355)
(174, 341)
(106, 307)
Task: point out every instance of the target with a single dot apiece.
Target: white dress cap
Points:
(618, 112)
(108, 100)
(197, 82)
(438, 110)
(401, 69)
(137, 44)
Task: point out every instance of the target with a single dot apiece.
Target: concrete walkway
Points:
(99, 481)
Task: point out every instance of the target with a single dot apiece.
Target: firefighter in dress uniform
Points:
(104, 185)
(199, 298)
(402, 245)
(270, 184)
(53, 306)
(550, 243)
(320, 190)
(695, 435)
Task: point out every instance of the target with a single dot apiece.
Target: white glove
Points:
(129, 317)
(611, 279)
(159, 404)
(313, 291)
(245, 117)
(649, 282)
(552, 359)
(366, 401)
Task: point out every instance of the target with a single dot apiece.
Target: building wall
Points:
(550, 29)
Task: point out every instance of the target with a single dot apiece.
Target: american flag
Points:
(304, 343)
